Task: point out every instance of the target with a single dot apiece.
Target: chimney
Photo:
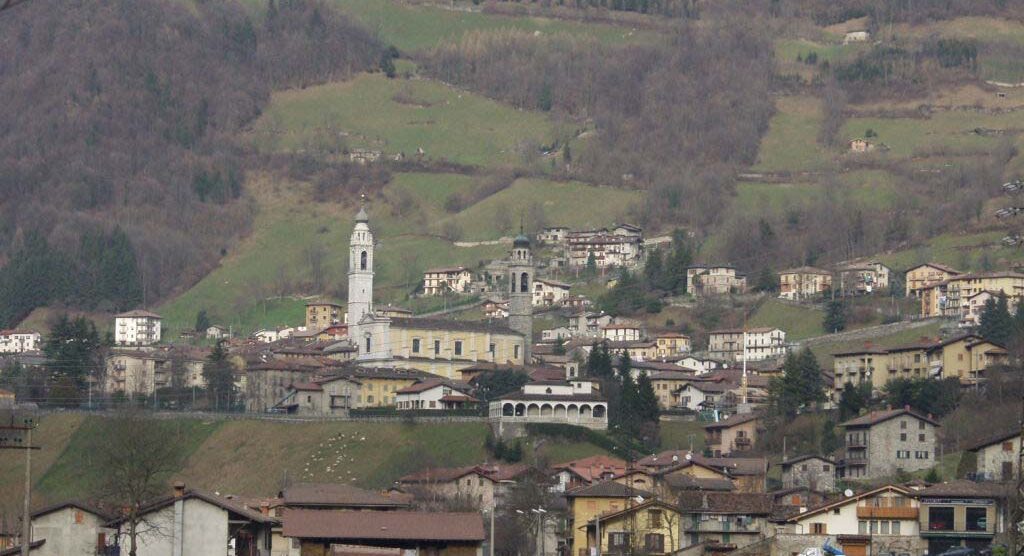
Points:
(179, 489)
(906, 407)
(265, 507)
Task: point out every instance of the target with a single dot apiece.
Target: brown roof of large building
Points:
(495, 473)
(995, 438)
(876, 417)
(606, 489)
(725, 503)
(688, 482)
(453, 325)
(738, 419)
(941, 267)
(335, 496)
(964, 488)
(593, 467)
(138, 313)
(805, 270)
(210, 498)
(383, 526)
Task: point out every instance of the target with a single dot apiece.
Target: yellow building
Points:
(804, 282)
(671, 343)
(443, 347)
(589, 502)
(321, 314)
(667, 382)
(650, 527)
(950, 298)
(965, 358)
(923, 276)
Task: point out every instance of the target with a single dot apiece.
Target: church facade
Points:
(438, 346)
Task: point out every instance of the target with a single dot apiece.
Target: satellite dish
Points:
(689, 456)
(847, 493)
(675, 458)
(639, 499)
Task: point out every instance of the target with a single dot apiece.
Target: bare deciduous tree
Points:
(135, 461)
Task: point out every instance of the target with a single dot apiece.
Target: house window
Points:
(903, 424)
(415, 345)
(437, 347)
(515, 352)
(895, 527)
(458, 347)
(885, 528)
(920, 425)
(618, 540)
(1007, 470)
(862, 527)
(362, 261)
(369, 399)
(977, 519)
(940, 519)
(309, 399)
(654, 518)
(654, 542)
(903, 437)
(367, 344)
(826, 468)
(491, 348)
(819, 529)
(433, 404)
(920, 438)
(1007, 446)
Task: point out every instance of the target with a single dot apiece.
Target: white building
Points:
(137, 328)
(439, 281)
(553, 234)
(571, 402)
(196, 523)
(20, 341)
(888, 511)
(548, 293)
(761, 344)
(622, 332)
(436, 395)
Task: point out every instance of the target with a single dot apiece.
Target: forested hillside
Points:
(116, 128)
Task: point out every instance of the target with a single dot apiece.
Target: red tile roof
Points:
(379, 526)
(335, 496)
(876, 417)
(593, 468)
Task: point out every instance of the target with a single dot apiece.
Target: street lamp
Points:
(540, 529)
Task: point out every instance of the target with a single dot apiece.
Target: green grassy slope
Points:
(798, 322)
(254, 457)
(402, 115)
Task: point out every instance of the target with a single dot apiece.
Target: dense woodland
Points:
(676, 118)
(117, 117)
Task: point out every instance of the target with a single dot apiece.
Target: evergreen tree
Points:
(829, 439)
(835, 316)
(653, 270)
(647, 399)
(74, 351)
(677, 262)
(202, 321)
(800, 386)
(853, 399)
(220, 377)
(591, 263)
(599, 361)
(767, 281)
(628, 418)
(996, 324)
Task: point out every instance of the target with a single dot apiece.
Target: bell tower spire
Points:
(360, 272)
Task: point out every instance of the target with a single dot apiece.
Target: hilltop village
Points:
(863, 460)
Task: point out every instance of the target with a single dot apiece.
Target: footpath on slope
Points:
(869, 333)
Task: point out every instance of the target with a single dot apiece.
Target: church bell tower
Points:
(360, 274)
(520, 299)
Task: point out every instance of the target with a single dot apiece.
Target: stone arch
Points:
(532, 410)
(363, 259)
(545, 410)
(512, 282)
(585, 411)
(520, 409)
(508, 410)
(559, 411)
(599, 411)
(524, 282)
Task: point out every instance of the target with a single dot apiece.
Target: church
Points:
(438, 346)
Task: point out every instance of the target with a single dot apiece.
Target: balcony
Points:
(856, 461)
(901, 512)
(731, 526)
(856, 442)
(743, 442)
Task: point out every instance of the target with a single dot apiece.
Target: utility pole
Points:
(17, 435)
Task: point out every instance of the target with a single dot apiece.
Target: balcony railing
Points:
(715, 526)
(900, 512)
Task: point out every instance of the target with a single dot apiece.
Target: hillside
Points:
(222, 455)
